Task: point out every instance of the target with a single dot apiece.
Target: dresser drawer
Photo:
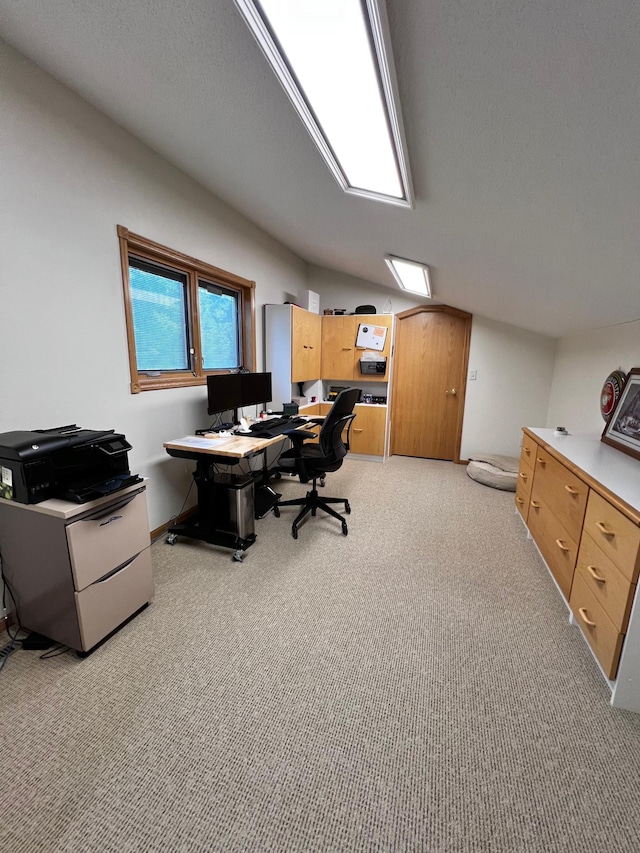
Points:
(602, 635)
(528, 452)
(108, 538)
(563, 492)
(522, 500)
(105, 604)
(615, 534)
(556, 546)
(607, 583)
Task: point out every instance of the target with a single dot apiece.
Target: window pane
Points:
(158, 301)
(219, 326)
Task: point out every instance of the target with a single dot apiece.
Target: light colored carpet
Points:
(414, 686)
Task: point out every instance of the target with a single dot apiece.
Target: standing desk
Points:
(207, 451)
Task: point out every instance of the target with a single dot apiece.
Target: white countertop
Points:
(618, 472)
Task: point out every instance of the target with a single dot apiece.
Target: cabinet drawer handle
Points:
(519, 501)
(527, 450)
(571, 490)
(535, 504)
(583, 613)
(109, 520)
(602, 527)
(355, 429)
(595, 575)
(348, 348)
(524, 476)
(561, 545)
(542, 461)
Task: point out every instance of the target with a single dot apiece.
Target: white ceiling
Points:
(522, 120)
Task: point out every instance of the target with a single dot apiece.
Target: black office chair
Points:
(313, 461)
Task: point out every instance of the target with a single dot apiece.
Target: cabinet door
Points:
(385, 320)
(338, 347)
(306, 342)
(368, 430)
(314, 345)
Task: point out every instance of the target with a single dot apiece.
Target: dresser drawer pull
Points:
(519, 501)
(542, 462)
(358, 430)
(527, 450)
(602, 527)
(583, 613)
(109, 520)
(524, 476)
(571, 490)
(595, 575)
(535, 504)
(561, 545)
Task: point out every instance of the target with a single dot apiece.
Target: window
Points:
(185, 318)
(334, 60)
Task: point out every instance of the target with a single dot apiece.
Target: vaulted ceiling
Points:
(522, 121)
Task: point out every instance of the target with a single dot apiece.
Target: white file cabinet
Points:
(78, 571)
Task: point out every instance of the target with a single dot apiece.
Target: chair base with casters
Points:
(311, 504)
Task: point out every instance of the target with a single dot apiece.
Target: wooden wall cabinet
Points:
(340, 355)
(583, 513)
(303, 347)
(306, 344)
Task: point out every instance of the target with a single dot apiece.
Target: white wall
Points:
(514, 374)
(583, 363)
(514, 367)
(68, 176)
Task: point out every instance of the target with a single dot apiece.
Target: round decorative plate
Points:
(610, 394)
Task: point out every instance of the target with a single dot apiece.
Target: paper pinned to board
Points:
(371, 336)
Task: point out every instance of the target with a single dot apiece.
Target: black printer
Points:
(65, 462)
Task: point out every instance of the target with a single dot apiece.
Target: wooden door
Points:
(338, 347)
(429, 382)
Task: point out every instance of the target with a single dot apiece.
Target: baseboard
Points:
(159, 531)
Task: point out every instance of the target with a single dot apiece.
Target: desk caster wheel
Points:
(171, 539)
(322, 481)
(294, 532)
(238, 556)
(347, 508)
(345, 529)
(277, 475)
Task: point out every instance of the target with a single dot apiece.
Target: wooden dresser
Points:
(580, 500)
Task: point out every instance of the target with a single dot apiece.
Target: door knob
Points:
(451, 391)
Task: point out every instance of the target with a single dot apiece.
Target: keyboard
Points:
(275, 426)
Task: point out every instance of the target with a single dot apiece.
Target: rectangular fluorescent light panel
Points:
(334, 63)
(410, 275)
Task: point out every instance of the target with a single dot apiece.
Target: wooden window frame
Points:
(140, 247)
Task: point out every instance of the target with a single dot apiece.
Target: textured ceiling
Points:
(522, 121)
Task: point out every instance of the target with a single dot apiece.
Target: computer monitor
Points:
(224, 392)
(256, 388)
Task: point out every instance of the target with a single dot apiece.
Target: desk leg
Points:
(210, 514)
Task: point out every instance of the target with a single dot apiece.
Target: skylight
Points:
(333, 59)
(410, 275)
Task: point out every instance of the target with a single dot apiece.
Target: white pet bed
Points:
(499, 472)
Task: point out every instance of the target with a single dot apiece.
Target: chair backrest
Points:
(339, 415)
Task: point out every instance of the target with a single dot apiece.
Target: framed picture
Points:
(623, 428)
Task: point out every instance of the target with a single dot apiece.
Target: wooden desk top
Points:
(236, 447)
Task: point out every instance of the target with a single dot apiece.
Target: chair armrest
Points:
(316, 420)
(299, 435)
